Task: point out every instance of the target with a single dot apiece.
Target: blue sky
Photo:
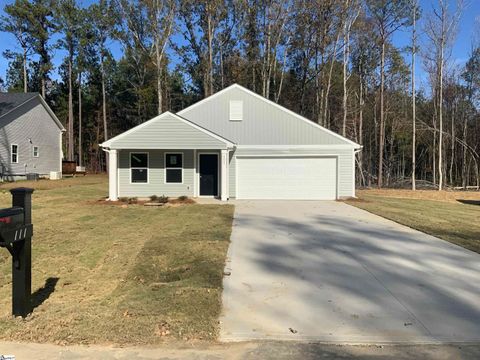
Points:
(470, 22)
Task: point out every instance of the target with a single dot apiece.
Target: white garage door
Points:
(296, 178)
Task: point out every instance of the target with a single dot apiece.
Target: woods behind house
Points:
(332, 61)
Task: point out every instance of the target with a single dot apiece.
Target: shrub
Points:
(163, 199)
(132, 200)
(154, 198)
(183, 198)
(123, 199)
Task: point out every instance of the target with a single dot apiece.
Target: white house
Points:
(233, 144)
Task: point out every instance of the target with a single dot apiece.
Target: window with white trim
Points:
(174, 168)
(35, 151)
(14, 153)
(139, 167)
(236, 110)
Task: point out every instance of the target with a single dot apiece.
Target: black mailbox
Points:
(12, 226)
(16, 232)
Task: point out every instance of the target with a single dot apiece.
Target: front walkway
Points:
(326, 271)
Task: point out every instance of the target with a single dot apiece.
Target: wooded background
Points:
(332, 61)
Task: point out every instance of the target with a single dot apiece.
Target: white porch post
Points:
(112, 175)
(224, 175)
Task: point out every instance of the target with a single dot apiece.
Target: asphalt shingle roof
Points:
(9, 101)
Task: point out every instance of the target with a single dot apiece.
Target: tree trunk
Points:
(25, 79)
(345, 60)
(329, 81)
(70, 152)
(440, 119)
(210, 51)
(80, 152)
(104, 110)
(414, 125)
(382, 119)
(158, 57)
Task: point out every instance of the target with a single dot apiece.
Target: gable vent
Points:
(236, 110)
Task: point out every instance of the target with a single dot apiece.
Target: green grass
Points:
(125, 275)
(457, 223)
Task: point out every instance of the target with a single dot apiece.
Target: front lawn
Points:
(452, 216)
(120, 275)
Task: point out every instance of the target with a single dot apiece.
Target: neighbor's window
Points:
(139, 167)
(14, 154)
(35, 151)
(174, 168)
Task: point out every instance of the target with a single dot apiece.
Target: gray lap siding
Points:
(156, 175)
(29, 126)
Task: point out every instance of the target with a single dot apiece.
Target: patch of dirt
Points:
(445, 195)
(180, 201)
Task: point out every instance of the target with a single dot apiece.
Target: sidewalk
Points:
(249, 350)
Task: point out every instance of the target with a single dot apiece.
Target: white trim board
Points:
(311, 123)
(296, 147)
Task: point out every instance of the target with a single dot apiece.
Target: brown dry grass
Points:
(450, 215)
(115, 275)
(449, 196)
(44, 184)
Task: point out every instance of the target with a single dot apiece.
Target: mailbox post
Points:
(16, 232)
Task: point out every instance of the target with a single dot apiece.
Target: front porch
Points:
(199, 173)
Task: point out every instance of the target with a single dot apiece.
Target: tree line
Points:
(332, 61)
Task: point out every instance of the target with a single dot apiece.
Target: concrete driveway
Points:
(327, 271)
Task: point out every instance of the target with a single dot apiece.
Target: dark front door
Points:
(208, 174)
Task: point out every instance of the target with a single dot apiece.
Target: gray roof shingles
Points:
(9, 101)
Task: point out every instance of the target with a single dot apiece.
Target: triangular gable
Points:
(266, 123)
(167, 131)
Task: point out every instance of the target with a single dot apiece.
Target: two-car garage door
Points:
(289, 177)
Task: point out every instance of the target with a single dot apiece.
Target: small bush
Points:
(163, 199)
(183, 198)
(123, 199)
(132, 200)
(154, 198)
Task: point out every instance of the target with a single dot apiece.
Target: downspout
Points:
(355, 152)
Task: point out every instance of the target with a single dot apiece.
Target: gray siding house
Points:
(30, 137)
(233, 144)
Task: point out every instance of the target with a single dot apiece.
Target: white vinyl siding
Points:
(262, 122)
(156, 175)
(287, 177)
(166, 132)
(29, 125)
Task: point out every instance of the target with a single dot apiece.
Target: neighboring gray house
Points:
(233, 144)
(30, 136)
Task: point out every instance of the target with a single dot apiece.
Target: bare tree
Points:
(441, 28)
(414, 99)
(151, 33)
(389, 16)
(351, 12)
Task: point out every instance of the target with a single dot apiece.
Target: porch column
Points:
(224, 166)
(112, 175)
